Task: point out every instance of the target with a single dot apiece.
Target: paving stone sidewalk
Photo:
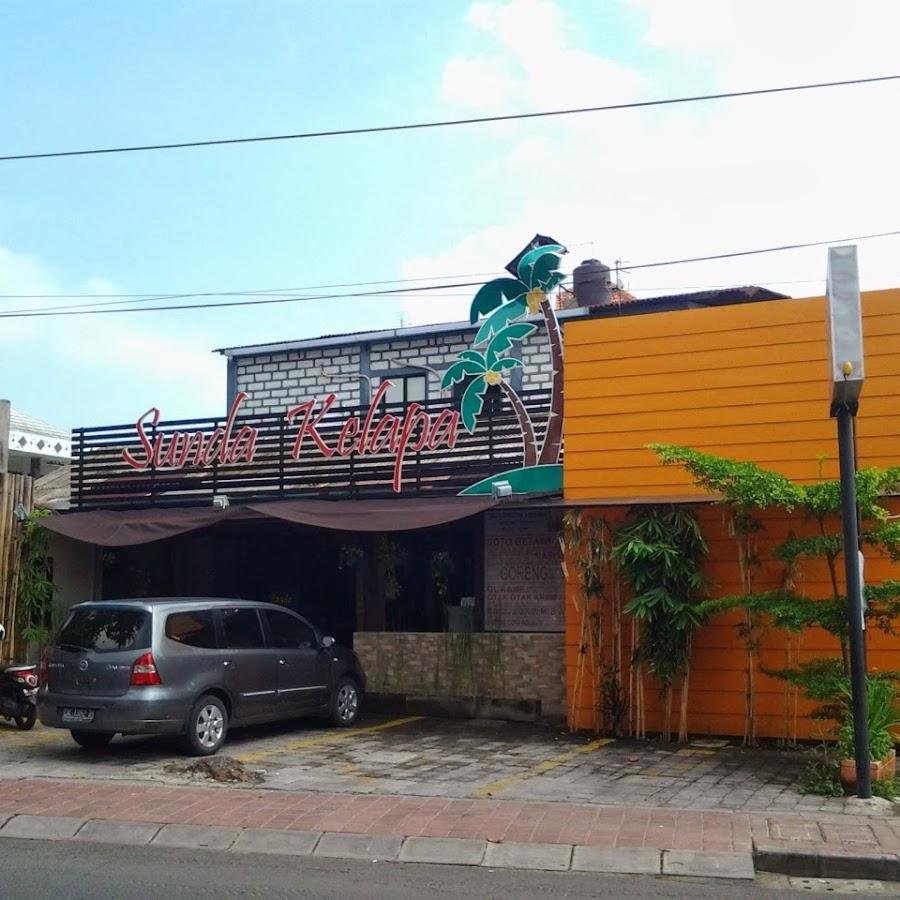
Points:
(464, 759)
(831, 846)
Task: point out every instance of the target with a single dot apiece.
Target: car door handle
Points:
(226, 662)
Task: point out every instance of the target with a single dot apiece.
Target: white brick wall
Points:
(277, 381)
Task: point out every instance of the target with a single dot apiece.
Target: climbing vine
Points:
(746, 489)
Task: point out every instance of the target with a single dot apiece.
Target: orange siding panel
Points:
(749, 382)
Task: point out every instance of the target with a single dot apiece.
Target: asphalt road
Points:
(37, 870)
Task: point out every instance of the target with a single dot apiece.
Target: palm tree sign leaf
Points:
(493, 294)
(508, 362)
(500, 318)
(473, 402)
(527, 262)
(545, 274)
(504, 339)
(460, 370)
(475, 355)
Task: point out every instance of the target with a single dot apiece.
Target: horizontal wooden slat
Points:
(101, 479)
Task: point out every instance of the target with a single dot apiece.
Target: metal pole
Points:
(858, 680)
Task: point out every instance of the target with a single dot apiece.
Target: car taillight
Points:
(42, 672)
(144, 672)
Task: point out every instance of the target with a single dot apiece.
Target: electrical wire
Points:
(308, 287)
(80, 310)
(736, 253)
(445, 123)
(29, 314)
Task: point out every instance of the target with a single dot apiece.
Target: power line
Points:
(693, 259)
(90, 307)
(400, 292)
(28, 314)
(308, 287)
(446, 123)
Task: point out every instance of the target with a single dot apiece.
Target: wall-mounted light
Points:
(500, 490)
(20, 512)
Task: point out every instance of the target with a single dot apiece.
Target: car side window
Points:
(241, 629)
(288, 632)
(196, 628)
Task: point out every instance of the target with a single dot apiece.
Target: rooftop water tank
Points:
(592, 283)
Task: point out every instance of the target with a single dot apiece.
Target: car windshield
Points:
(105, 630)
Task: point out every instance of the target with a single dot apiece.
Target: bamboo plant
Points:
(659, 550)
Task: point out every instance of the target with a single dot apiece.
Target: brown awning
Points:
(402, 514)
(124, 528)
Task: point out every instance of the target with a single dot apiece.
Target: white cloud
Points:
(690, 179)
(99, 354)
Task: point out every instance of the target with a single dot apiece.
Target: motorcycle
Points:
(18, 693)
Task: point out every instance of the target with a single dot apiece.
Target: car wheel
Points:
(26, 722)
(91, 740)
(345, 702)
(207, 726)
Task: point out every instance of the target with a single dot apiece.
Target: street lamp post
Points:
(847, 375)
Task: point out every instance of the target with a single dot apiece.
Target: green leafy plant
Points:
(882, 723)
(888, 788)
(658, 550)
(747, 489)
(34, 597)
(821, 776)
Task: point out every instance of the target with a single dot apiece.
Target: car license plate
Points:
(77, 715)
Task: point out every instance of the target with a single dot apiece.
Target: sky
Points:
(633, 186)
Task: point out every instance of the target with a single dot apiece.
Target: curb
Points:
(387, 848)
(813, 864)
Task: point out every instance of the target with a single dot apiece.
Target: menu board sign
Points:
(523, 580)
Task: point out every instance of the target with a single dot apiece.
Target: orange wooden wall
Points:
(748, 382)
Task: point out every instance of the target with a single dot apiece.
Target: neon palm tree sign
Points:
(502, 302)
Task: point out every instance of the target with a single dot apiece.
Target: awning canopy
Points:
(128, 527)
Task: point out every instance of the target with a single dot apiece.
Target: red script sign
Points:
(372, 435)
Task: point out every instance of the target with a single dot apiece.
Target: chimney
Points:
(592, 284)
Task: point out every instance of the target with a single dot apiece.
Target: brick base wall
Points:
(509, 666)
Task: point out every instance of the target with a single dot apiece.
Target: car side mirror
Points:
(327, 641)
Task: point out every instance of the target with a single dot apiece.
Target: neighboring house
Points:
(35, 447)
(30, 451)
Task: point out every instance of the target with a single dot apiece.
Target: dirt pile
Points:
(222, 769)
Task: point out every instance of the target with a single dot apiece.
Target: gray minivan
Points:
(193, 667)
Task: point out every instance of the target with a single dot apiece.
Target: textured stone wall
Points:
(276, 381)
(510, 666)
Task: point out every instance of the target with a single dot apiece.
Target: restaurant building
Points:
(401, 488)
(405, 488)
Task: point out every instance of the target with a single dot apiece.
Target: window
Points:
(242, 629)
(195, 628)
(406, 389)
(105, 630)
(288, 632)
